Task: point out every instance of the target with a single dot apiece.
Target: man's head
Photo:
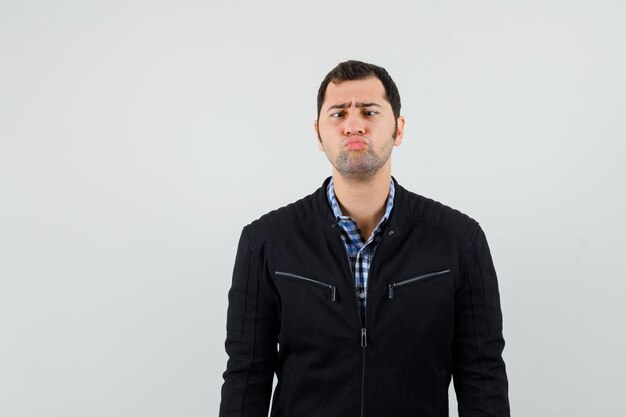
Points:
(357, 70)
(359, 120)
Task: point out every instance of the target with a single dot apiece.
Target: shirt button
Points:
(361, 295)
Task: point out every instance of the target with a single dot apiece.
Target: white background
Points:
(137, 138)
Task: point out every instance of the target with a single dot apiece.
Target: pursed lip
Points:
(354, 140)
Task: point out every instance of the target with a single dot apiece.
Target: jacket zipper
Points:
(394, 285)
(332, 288)
(363, 346)
(358, 313)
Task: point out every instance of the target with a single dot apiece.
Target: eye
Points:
(370, 112)
(336, 114)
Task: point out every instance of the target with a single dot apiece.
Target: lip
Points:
(355, 141)
(356, 145)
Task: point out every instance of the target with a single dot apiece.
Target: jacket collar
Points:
(390, 228)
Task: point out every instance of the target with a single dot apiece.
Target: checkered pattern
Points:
(360, 252)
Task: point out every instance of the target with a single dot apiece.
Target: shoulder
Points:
(428, 212)
(287, 218)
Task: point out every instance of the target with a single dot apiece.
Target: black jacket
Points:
(433, 311)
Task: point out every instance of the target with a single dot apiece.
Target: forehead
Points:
(367, 89)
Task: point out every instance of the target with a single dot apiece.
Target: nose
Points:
(353, 125)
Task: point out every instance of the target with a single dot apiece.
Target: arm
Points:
(479, 372)
(251, 338)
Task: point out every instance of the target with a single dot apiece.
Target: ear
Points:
(317, 133)
(399, 131)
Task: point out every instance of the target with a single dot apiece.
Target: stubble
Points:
(361, 165)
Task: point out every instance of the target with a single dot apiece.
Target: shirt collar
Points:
(332, 199)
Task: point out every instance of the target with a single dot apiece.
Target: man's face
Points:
(356, 128)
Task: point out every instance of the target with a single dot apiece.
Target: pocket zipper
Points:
(417, 278)
(332, 288)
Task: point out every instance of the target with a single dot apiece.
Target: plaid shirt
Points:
(360, 252)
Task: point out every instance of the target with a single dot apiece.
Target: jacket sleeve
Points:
(251, 339)
(478, 370)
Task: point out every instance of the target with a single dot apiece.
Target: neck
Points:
(364, 201)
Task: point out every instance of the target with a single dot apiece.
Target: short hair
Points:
(357, 70)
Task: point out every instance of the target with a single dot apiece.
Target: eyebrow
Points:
(357, 104)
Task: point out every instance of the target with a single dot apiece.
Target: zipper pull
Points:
(391, 286)
(363, 337)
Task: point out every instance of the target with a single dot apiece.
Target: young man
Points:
(363, 297)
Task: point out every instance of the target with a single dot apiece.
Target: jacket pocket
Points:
(395, 285)
(331, 288)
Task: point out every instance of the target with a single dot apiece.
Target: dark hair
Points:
(357, 70)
